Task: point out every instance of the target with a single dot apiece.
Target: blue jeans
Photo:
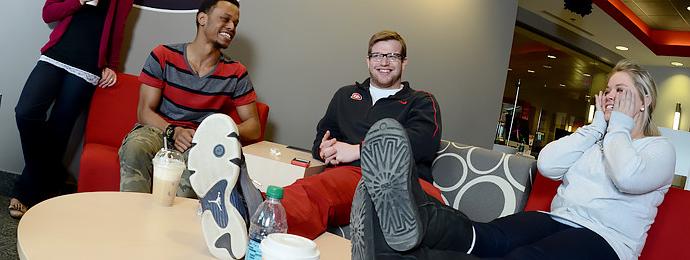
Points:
(44, 136)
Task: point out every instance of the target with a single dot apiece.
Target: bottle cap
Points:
(274, 192)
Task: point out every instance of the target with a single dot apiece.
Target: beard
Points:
(384, 81)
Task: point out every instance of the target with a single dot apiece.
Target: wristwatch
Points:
(170, 133)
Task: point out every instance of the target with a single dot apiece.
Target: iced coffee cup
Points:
(168, 166)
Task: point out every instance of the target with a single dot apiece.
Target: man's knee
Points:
(140, 145)
(135, 154)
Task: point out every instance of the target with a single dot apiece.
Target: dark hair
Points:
(207, 5)
(385, 36)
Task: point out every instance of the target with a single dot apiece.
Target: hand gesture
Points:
(183, 138)
(108, 78)
(326, 142)
(344, 153)
(625, 103)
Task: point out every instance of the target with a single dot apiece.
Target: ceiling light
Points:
(586, 75)
(677, 64)
(688, 8)
(621, 48)
(562, 85)
(547, 67)
(530, 71)
(550, 56)
(509, 69)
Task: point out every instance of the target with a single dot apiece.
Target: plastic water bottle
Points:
(269, 218)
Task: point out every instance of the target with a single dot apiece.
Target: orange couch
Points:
(112, 115)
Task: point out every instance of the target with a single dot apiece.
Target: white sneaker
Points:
(215, 159)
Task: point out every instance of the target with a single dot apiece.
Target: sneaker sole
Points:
(214, 160)
(361, 225)
(386, 160)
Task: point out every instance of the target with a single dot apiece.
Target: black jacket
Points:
(350, 114)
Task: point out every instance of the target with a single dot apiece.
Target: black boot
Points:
(368, 242)
(387, 167)
(407, 215)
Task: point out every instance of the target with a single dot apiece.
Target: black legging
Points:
(44, 138)
(535, 235)
(524, 235)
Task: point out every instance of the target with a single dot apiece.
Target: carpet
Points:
(8, 232)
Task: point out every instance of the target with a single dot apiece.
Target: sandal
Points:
(16, 208)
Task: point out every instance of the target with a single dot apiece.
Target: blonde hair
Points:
(645, 86)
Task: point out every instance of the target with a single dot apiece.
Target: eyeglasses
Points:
(391, 57)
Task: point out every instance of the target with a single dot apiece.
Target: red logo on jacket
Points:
(356, 96)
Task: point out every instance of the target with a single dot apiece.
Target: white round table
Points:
(125, 225)
(111, 225)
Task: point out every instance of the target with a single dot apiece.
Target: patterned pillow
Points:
(482, 183)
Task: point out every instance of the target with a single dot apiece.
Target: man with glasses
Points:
(315, 202)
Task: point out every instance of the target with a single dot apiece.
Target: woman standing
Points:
(82, 52)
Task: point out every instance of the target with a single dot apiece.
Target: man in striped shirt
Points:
(181, 85)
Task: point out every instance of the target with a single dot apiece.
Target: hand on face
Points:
(625, 103)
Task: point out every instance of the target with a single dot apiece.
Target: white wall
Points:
(673, 85)
(299, 52)
(23, 33)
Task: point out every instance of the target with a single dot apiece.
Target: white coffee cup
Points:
(168, 166)
(92, 2)
(279, 246)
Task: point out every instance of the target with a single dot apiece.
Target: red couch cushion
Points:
(113, 111)
(670, 233)
(99, 168)
(543, 191)
(666, 239)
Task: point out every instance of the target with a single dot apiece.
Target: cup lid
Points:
(169, 156)
(289, 245)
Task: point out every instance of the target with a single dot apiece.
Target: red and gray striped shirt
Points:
(188, 98)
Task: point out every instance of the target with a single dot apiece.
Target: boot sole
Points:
(361, 225)
(387, 162)
(214, 160)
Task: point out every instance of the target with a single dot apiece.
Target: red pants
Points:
(314, 203)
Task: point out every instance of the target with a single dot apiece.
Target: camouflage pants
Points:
(136, 169)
